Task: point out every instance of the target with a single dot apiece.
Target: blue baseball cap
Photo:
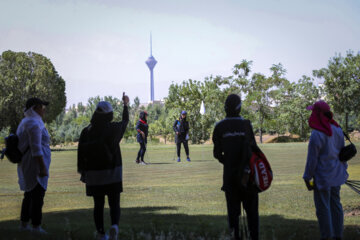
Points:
(35, 101)
(104, 107)
(183, 112)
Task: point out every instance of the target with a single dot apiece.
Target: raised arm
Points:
(121, 127)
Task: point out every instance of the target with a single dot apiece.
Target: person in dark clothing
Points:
(234, 142)
(142, 132)
(100, 163)
(181, 129)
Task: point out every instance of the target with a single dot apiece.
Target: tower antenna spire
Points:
(150, 44)
(151, 62)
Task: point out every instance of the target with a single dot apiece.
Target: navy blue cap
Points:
(34, 101)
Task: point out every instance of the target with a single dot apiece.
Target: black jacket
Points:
(234, 141)
(182, 127)
(142, 126)
(99, 146)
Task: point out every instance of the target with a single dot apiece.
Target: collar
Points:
(30, 113)
(233, 117)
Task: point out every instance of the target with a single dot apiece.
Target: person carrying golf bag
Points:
(324, 167)
(234, 142)
(181, 129)
(100, 164)
(142, 128)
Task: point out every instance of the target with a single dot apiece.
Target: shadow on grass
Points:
(159, 163)
(63, 149)
(160, 223)
(203, 160)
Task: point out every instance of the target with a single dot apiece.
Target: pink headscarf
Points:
(318, 120)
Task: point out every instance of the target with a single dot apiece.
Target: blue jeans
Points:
(329, 212)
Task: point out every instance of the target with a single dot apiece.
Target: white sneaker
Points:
(25, 228)
(39, 230)
(143, 163)
(100, 236)
(113, 232)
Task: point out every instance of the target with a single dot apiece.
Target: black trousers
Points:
(186, 146)
(114, 204)
(32, 204)
(250, 201)
(141, 152)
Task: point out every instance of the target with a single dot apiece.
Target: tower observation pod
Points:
(151, 62)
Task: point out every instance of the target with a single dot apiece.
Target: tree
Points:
(188, 96)
(136, 102)
(213, 95)
(239, 82)
(26, 75)
(261, 91)
(257, 95)
(342, 84)
(161, 127)
(292, 102)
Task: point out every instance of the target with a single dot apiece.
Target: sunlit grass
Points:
(170, 200)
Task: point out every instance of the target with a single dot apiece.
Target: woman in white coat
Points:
(33, 170)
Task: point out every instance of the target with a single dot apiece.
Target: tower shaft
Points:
(152, 97)
(151, 62)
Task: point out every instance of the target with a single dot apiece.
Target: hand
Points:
(125, 99)
(245, 179)
(43, 172)
(309, 186)
(42, 169)
(177, 133)
(142, 134)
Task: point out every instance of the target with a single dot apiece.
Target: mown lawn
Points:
(170, 200)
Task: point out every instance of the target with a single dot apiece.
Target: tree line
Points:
(272, 102)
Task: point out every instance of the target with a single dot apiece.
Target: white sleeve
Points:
(313, 155)
(34, 133)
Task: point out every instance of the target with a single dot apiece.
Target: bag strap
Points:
(27, 149)
(347, 137)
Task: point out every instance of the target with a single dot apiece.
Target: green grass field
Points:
(170, 200)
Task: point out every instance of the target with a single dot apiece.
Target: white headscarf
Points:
(31, 113)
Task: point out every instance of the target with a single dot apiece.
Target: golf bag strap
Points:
(347, 137)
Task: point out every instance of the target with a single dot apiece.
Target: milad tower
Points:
(151, 62)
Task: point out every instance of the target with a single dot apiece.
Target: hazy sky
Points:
(100, 47)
